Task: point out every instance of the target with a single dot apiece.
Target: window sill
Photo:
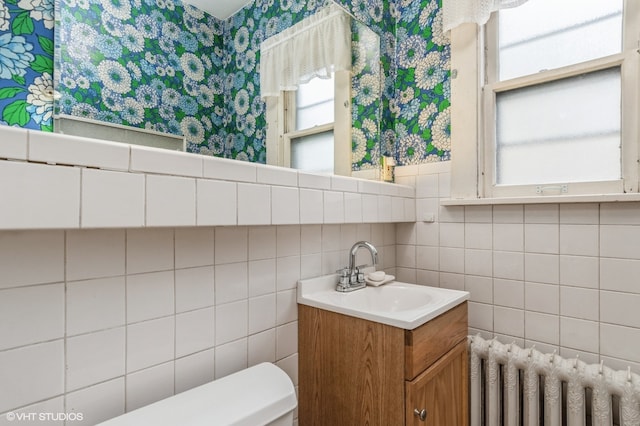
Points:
(543, 199)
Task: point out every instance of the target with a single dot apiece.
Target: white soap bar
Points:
(377, 276)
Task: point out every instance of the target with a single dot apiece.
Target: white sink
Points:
(397, 304)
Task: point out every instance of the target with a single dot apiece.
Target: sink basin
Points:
(397, 304)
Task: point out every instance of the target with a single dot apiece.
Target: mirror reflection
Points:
(170, 68)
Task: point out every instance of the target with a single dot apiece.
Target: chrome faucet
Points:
(352, 277)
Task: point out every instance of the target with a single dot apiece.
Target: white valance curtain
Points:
(314, 47)
(456, 12)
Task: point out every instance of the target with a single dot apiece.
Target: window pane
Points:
(548, 34)
(313, 153)
(314, 103)
(565, 131)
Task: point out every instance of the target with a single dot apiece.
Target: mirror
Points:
(171, 68)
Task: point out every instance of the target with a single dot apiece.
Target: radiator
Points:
(514, 386)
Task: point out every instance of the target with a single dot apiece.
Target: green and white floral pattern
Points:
(167, 66)
(26, 63)
(421, 107)
(145, 63)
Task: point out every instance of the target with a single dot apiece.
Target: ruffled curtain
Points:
(314, 47)
(456, 12)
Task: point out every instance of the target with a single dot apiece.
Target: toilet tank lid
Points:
(254, 396)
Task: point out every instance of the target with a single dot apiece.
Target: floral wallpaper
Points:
(366, 97)
(26, 63)
(423, 86)
(167, 66)
(144, 63)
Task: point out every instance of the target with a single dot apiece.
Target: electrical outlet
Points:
(428, 217)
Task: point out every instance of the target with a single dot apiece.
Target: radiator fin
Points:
(525, 386)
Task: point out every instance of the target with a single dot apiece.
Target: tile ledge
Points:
(372, 186)
(543, 199)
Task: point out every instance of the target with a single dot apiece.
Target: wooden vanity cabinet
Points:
(358, 372)
(441, 391)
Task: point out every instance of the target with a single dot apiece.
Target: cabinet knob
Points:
(422, 415)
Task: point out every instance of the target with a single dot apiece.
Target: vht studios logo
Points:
(44, 417)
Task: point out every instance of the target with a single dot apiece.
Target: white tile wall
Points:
(195, 370)
(508, 293)
(149, 385)
(385, 208)
(111, 320)
(262, 347)
(262, 313)
(558, 276)
(540, 238)
(217, 202)
(156, 160)
(288, 241)
(618, 274)
(140, 306)
(194, 288)
(273, 175)
(563, 277)
(19, 251)
(311, 206)
(340, 183)
(95, 357)
(53, 201)
(149, 250)
(254, 202)
(231, 282)
(95, 254)
(195, 331)
(150, 343)
(14, 143)
(508, 236)
(285, 202)
(333, 207)
(94, 305)
(31, 314)
(231, 357)
(369, 208)
(542, 268)
(588, 306)
(309, 180)
(222, 168)
(96, 403)
(64, 149)
(114, 185)
(194, 247)
(171, 201)
(112, 199)
(542, 298)
(35, 372)
(353, 208)
(581, 272)
(579, 335)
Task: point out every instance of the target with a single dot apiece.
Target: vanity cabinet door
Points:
(441, 391)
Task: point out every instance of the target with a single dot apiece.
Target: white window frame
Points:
(473, 113)
(281, 118)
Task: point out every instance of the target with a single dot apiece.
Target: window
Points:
(556, 100)
(308, 137)
(316, 48)
(308, 124)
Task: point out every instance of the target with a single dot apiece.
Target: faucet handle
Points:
(344, 272)
(344, 276)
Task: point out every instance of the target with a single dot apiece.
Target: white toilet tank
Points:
(258, 396)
